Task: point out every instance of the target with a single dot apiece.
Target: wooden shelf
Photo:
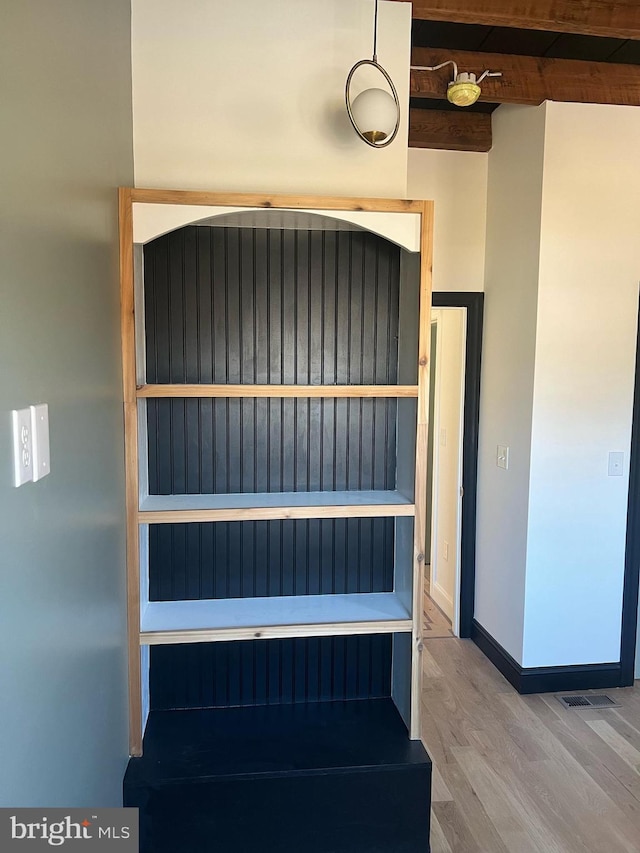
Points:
(168, 509)
(357, 391)
(283, 616)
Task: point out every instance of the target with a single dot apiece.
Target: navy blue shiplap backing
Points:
(226, 446)
(270, 672)
(243, 305)
(248, 559)
(275, 306)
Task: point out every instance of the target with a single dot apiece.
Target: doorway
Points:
(446, 405)
(453, 448)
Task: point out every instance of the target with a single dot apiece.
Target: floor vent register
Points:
(595, 700)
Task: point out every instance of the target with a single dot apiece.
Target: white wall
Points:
(457, 182)
(250, 95)
(66, 108)
(562, 275)
(584, 376)
(506, 404)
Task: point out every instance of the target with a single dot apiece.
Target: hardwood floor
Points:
(519, 774)
(436, 624)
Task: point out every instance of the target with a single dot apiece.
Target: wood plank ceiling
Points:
(585, 51)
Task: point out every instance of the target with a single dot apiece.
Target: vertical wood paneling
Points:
(257, 558)
(270, 672)
(231, 305)
(270, 445)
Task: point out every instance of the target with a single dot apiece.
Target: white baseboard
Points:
(442, 599)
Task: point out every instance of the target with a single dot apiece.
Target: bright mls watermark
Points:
(69, 829)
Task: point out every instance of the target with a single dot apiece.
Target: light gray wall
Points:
(67, 144)
(508, 359)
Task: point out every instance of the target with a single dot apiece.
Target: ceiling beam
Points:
(528, 79)
(451, 131)
(612, 18)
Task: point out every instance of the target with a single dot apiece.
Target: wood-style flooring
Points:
(436, 623)
(519, 774)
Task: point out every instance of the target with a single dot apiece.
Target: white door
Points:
(446, 517)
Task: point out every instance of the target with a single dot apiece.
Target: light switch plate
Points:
(40, 433)
(502, 456)
(22, 447)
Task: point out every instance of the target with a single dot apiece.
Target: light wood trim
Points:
(268, 200)
(277, 391)
(268, 513)
(422, 462)
(448, 131)
(127, 296)
(424, 335)
(207, 635)
(529, 79)
(609, 18)
(131, 468)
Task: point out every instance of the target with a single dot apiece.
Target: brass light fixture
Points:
(374, 113)
(464, 89)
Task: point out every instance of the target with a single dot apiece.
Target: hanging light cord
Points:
(375, 33)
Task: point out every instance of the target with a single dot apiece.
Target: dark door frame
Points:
(632, 550)
(474, 303)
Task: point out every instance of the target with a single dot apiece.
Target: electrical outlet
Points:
(445, 550)
(40, 436)
(22, 447)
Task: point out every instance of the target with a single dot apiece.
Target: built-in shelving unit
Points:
(274, 431)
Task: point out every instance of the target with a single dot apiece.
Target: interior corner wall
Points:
(584, 382)
(457, 182)
(509, 343)
(249, 96)
(66, 107)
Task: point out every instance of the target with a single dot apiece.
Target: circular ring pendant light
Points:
(374, 113)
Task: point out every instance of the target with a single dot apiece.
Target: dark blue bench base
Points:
(333, 777)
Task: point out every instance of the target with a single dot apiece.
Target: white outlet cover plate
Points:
(22, 447)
